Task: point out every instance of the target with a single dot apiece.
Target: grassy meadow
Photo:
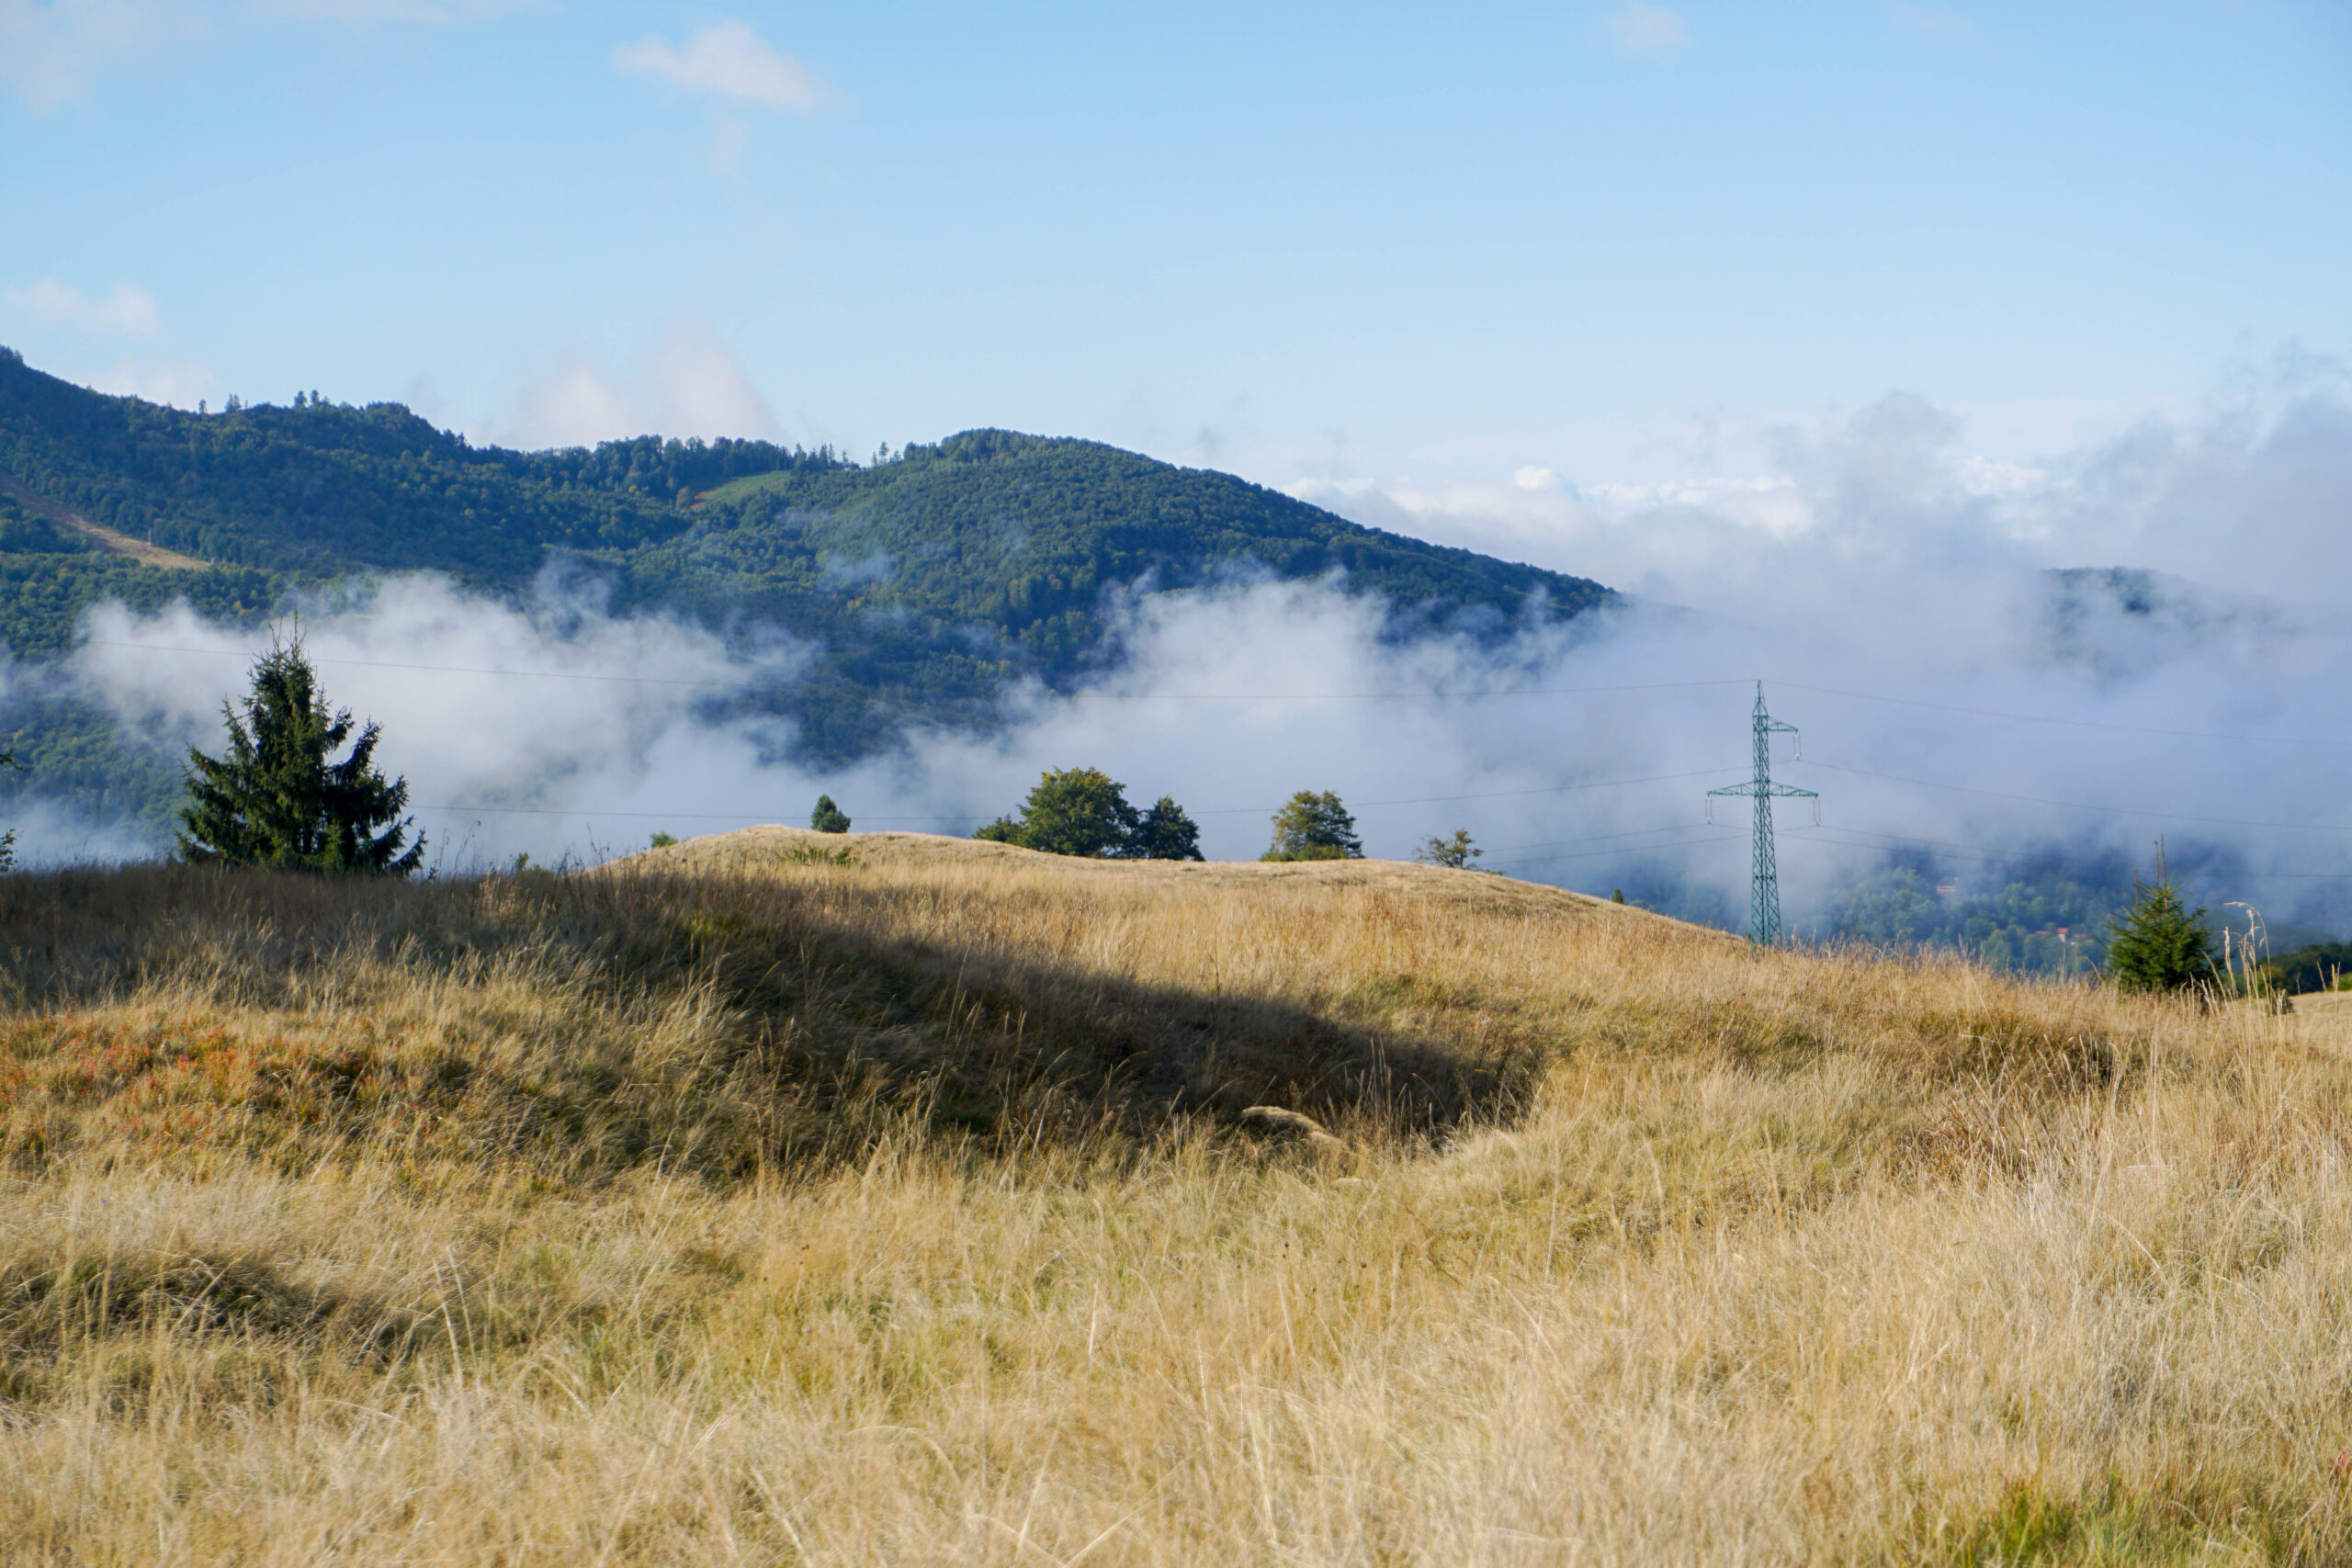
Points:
(885, 1199)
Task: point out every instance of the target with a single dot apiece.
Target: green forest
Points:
(2049, 913)
(2048, 919)
(930, 579)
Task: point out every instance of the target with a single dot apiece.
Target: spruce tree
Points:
(2159, 943)
(828, 817)
(277, 798)
(9, 838)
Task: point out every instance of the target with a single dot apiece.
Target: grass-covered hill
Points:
(930, 580)
(879, 1199)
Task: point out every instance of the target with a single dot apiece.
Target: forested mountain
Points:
(930, 578)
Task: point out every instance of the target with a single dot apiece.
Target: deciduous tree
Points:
(1313, 826)
(1084, 811)
(1457, 851)
(1073, 811)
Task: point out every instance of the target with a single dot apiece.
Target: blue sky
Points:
(1309, 242)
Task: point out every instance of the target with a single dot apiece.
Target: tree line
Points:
(280, 797)
(1085, 812)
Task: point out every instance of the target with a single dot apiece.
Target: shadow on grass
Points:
(539, 1016)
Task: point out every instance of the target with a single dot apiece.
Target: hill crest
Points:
(774, 847)
(928, 582)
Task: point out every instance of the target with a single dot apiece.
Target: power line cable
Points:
(1929, 843)
(1724, 836)
(1379, 696)
(1293, 696)
(1097, 695)
(1490, 795)
(1220, 811)
(446, 669)
(1988, 855)
(2072, 723)
(1598, 838)
(2078, 805)
(1823, 834)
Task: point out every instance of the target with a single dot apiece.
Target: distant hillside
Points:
(930, 580)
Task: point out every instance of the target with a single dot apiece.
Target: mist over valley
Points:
(571, 650)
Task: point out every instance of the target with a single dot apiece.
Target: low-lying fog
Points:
(1895, 595)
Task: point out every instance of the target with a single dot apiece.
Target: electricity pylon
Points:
(1764, 903)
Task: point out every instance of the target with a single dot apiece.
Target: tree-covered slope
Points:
(933, 575)
(929, 578)
(321, 488)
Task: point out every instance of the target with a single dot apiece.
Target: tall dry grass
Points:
(902, 1211)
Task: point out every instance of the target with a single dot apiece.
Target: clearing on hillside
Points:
(113, 539)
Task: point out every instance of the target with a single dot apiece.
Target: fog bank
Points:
(1894, 593)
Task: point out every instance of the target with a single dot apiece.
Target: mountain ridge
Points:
(930, 582)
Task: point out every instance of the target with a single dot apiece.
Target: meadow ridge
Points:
(783, 1198)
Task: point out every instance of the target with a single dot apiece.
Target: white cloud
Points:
(1643, 28)
(1879, 556)
(703, 391)
(727, 61)
(361, 13)
(123, 310)
(50, 48)
(181, 386)
(1883, 558)
(730, 134)
(601, 713)
(574, 405)
(1934, 22)
(689, 385)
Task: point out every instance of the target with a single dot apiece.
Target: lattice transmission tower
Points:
(1764, 901)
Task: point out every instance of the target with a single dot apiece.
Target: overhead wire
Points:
(1600, 838)
(1987, 855)
(1979, 852)
(2077, 805)
(749, 677)
(1721, 836)
(1218, 811)
(2071, 723)
(1433, 695)
(740, 682)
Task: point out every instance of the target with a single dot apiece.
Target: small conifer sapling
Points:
(279, 798)
(9, 838)
(2159, 943)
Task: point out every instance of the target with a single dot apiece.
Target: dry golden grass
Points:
(738, 1205)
